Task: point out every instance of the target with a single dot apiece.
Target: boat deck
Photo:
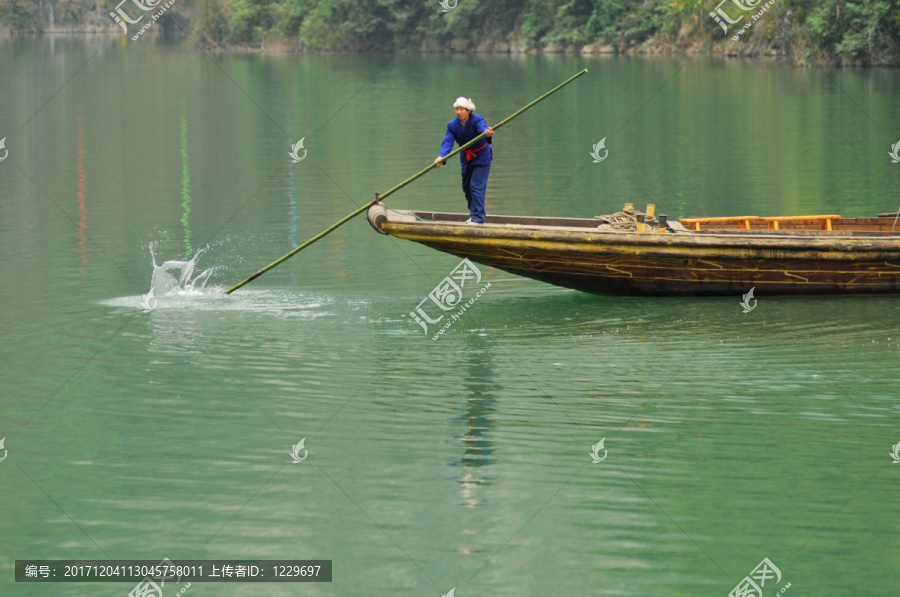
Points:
(829, 226)
(517, 221)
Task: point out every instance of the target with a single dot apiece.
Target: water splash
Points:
(176, 277)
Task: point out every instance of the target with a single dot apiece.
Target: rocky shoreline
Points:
(660, 44)
(798, 37)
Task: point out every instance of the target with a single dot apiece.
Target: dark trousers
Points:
(474, 184)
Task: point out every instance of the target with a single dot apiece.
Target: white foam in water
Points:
(164, 282)
(173, 286)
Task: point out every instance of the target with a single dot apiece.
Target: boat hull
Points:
(616, 263)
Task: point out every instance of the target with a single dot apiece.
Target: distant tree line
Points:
(858, 32)
(863, 32)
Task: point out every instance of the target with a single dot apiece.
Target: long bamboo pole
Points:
(381, 197)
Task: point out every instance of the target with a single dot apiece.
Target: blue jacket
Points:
(462, 134)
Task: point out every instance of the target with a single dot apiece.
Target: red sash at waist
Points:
(471, 153)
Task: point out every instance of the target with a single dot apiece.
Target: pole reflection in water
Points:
(292, 198)
(185, 189)
(292, 201)
(82, 196)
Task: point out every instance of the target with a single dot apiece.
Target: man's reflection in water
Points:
(480, 406)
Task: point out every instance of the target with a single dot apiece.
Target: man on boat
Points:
(475, 161)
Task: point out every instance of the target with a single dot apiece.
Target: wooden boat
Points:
(822, 254)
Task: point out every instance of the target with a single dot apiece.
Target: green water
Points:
(459, 462)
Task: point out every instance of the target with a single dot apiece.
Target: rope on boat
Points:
(626, 221)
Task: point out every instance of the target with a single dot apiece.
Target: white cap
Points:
(462, 102)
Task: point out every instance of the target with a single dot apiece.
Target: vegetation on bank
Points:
(859, 32)
(18, 15)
